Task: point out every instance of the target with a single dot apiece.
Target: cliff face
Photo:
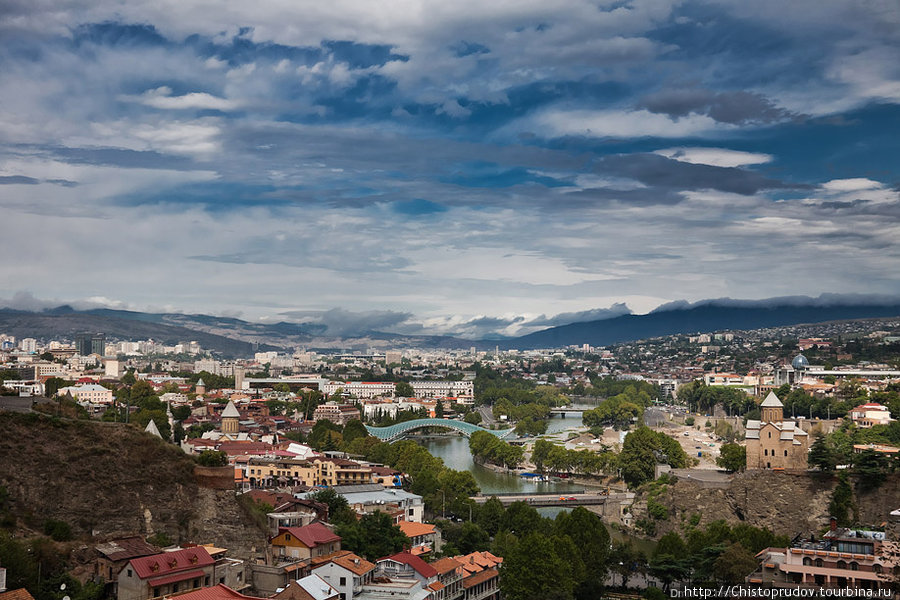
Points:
(785, 503)
(107, 479)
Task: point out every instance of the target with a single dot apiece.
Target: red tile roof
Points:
(311, 535)
(19, 594)
(171, 562)
(445, 565)
(420, 566)
(217, 592)
(479, 578)
(180, 576)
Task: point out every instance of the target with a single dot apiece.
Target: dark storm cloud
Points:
(737, 108)
(657, 171)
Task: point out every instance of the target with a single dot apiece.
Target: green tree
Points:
(404, 389)
(354, 429)
(473, 417)
(734, 564)
(212, 458)
(144, 416)
(732, 457)
(374, 536)
(339, 511)
(643, 449)
(587, 532)
(439, 410)
(822, 455)
(490, 514)
(534, 570)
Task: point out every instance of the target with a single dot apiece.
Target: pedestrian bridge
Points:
(393, 433)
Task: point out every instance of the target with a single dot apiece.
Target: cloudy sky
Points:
(457, 167)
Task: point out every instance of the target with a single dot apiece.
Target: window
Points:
(766, 451)
(785, 452)
(819, 562)
(770, 434)
(240, 576)
(174, 587)
(807, 561)
(206, 580)
(842, 564)
(343, 581)
(129, 572)
(155, 592)
(854, 566)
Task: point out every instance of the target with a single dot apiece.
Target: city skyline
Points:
(457, 168)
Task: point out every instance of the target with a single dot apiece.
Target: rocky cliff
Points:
(107, 479)
(785, 503)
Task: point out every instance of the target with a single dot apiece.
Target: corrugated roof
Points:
(171, 562)
(419, 566)
(311, 535)
(216, 592)
(126, 548)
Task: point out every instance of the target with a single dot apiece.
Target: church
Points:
(773, 442)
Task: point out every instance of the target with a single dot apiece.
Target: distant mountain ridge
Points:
(232, 337)
(702, 318)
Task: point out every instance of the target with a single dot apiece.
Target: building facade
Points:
(773, 442)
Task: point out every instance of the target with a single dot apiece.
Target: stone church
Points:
(773, 442)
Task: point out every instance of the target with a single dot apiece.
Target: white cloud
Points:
(162, 97)
(617, 123)
(717, 157)
(851, 185)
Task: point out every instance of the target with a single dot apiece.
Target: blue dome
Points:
(800, 362)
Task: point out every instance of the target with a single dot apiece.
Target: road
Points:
(572, 499)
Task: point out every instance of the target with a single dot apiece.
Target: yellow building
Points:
(773, 442)
(305, 542)
(266, 472)
(339, 471)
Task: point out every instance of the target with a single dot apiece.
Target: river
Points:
(454, 450)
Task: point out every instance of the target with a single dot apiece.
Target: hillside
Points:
(696, 319)
(785, 503)
(107, 479)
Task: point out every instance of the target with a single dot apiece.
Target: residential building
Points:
(450, 576)
(405, 565)
(359, 389)
(481, 577)
(309, 541)
(88, 393)
(372, 497)
(842, 558)
(340, 471)
(339, 414)
(871, 414)
(344, 571)
(164, 574)
(115, 554)
(270, 472)
(443, 389)
(773, 442)
(424, 538)
(311, 587)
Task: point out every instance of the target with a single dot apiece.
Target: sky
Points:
(463, 167)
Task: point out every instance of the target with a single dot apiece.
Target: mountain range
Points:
(231, 337)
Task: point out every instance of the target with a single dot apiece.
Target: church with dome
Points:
(774, 442)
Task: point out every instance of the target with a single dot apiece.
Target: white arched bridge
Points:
(393, 433)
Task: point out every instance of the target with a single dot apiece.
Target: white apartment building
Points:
(443, 389)
(28, 345)
(89, 393)
(360, 389)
